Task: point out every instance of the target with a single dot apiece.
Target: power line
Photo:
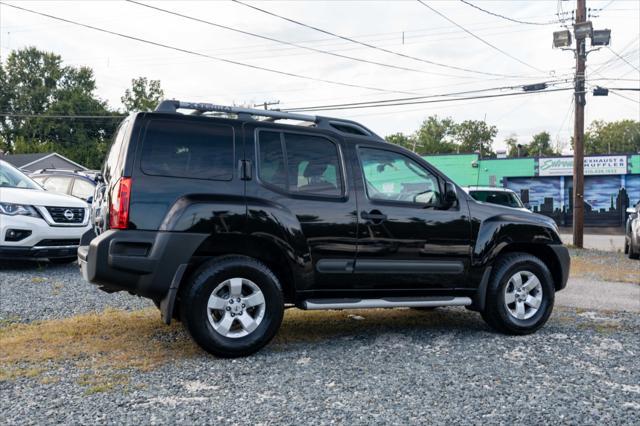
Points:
(371, 46)
(204, 55)
(323, 108)
(624, 97)
(506, 17)
(479, 38)
(467, 92)
(623, 59)
(300, 46)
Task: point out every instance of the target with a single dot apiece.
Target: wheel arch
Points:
(543, 252)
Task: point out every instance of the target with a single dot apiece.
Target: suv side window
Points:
(391, 176)
(300, 164)
(82, 189)
(111, 165)
(188, 149)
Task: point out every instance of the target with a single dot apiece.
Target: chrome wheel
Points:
(523, 295)
(236, 307)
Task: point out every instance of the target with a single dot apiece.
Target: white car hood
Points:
(35, 197)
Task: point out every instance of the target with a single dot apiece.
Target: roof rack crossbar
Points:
(173, 105)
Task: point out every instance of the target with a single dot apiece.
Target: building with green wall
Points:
(612, 182)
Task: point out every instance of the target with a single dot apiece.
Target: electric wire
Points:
(204, 55)
(506, 17)
(371, 46)
(479, 38)
(292, 44)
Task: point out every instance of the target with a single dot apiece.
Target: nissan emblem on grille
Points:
(68, 214)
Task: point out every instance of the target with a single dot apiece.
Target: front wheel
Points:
(232, 306)
(520, 295)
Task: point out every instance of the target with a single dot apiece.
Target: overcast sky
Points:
(427, 35)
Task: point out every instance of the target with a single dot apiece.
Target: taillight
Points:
(119, 204)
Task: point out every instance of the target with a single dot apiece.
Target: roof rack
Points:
(336, 124)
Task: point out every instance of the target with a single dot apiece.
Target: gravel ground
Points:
(36, 291)
(439, 367)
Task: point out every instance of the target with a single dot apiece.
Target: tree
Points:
(35, 85)
(144, 95)
(540, 145)
(402, 140)
(512, 146)
(615, 137)
(434, 136)
(475, 136)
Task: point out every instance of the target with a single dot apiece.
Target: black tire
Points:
(63, 260)
(626, 246)
(496, 313)
(195, 314)
(425, 308)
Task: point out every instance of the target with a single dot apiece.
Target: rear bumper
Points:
(141, 262)
(562, 254)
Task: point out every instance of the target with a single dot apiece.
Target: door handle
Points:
(374, 216)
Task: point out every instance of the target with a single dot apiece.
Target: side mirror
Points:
(89, 199)
(99, 178)
(450, 195)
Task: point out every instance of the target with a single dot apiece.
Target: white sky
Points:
(116, 61)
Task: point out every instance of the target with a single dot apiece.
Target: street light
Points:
(561, 38)
(601, 37)
(583, 30)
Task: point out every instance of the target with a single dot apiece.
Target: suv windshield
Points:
(10, 177)
(503, 198)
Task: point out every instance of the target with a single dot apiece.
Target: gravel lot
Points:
(375, 366)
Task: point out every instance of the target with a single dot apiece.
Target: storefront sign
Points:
(606, 165)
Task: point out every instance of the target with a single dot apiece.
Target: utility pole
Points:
(582, 29)
(266, 104)
(578, 129)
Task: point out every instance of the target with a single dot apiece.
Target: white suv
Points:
(36, 224)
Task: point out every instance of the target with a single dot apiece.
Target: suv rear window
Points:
(188, 150)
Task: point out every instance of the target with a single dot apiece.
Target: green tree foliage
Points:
(540, 146)
(402, 140)
(614, 137)
(35, 84)
(512, 146)
(144, 95)
(434, 136)
(475, 136)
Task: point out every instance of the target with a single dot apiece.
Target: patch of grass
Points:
(103, 381)
(38, 280)
(600, 267)
(13, 373)
(110, 339)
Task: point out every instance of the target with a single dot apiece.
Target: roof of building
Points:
(24, 160)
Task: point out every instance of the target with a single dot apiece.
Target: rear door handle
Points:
(374, 216)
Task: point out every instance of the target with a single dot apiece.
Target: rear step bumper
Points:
(389, 302)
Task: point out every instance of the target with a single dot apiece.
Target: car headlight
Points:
(11, 209)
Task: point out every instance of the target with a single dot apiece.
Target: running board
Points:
(389, 302)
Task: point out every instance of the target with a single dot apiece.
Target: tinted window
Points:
(57, 184)
(188, 149)
(112, 168)
(311, 165)
(272, 165)
(82, 189)
(391, 176)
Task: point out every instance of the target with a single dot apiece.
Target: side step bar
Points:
(389, 302)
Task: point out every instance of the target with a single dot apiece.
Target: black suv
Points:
(225, 222)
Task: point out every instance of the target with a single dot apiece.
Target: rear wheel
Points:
(520, 295)
(232, 306)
